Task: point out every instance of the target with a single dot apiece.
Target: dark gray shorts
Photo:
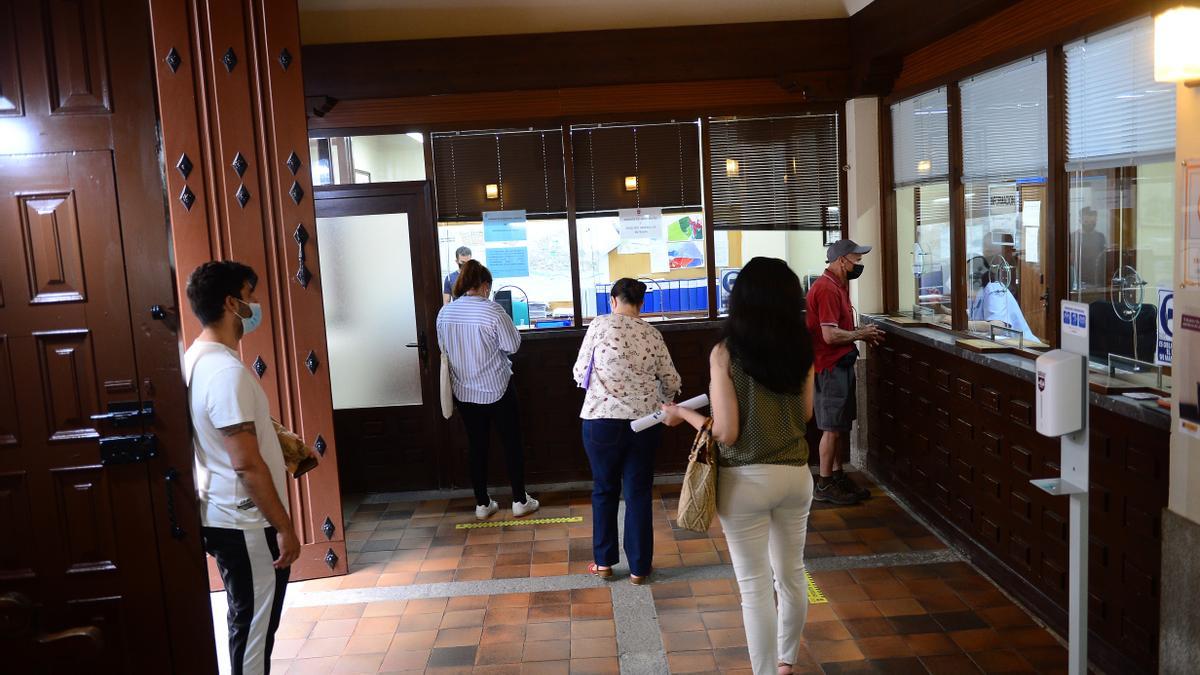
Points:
(835, 403)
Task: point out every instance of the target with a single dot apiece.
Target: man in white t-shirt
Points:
(240, 471)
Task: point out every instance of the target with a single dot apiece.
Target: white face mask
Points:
(252, 322)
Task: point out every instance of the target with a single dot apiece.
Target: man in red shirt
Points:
(830, 320)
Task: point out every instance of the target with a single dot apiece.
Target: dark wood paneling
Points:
(76, 58)
(983, 499)
(1018, 29)
(575, 59)
(232, 104)
(598, 103)
(11, 97)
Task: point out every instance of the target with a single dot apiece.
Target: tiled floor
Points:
(922, 618)
(546, 632)
(936, 618)
(402, 543)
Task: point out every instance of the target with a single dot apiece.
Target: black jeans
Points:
(478, 418)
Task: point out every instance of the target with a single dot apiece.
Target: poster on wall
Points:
(1191, 222)
(1185, 372)
(685, 242)
(504, 226)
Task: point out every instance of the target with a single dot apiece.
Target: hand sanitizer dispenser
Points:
(1061, 390)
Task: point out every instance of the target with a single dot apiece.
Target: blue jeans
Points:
(621, 457)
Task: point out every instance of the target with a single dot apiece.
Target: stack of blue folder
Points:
(668, 295)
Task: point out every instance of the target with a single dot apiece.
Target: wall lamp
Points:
(630, 183)
(1176, 49)
(491, 191)
(732, 168)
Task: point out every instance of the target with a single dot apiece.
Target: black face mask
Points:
(856, 272)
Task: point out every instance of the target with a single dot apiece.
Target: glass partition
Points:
(1121, 188)
(1004, 185)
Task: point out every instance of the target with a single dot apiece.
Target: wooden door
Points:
(390, 433)
(101, 567)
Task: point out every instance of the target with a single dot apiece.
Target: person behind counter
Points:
(991, 303)
(761, 389)
(830, 320)
(477, 337)
(461, 256)
(627, 372)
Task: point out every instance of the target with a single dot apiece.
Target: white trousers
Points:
(764, 511)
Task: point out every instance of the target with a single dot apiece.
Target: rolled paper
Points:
(657, 417)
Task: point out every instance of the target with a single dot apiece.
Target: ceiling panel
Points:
(331, 21)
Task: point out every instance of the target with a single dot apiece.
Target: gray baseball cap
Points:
(843, 247)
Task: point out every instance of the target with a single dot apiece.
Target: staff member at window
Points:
(628, 373)
(830, 320)
(477, 337)
(461, 256)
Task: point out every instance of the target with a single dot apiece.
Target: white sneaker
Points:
(528, 507)
(485, 512)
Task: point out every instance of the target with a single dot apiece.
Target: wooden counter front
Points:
(956, 440)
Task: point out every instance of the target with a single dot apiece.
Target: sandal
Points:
(785, 668)
(598, 571)
(638, 581)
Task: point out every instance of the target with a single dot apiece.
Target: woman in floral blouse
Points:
(627, 372)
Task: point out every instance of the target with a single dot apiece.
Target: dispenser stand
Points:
(1073, 483)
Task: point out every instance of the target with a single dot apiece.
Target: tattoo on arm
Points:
(234, 430)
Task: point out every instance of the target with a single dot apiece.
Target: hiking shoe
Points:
(528, 507)
(834, 493)
(485, 512)
(853, 488)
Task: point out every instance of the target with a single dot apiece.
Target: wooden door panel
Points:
(10, 75)
(83, 556)
(9, 415)
(78, 67)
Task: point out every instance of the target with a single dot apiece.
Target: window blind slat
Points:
(1004, 121)
(1117, 115)
(664, 157)
(527, 166)
(786, 176)
(920, 151)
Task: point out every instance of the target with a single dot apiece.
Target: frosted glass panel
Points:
(366, 275)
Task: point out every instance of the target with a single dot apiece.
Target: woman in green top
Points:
(761, 392)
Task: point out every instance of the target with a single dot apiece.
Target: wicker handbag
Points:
(698, 498)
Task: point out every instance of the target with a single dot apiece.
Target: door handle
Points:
(122, 413)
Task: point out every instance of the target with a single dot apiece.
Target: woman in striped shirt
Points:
(477, 337)
(627, 372)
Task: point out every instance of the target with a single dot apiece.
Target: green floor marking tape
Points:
(815, 596)
(522, 521)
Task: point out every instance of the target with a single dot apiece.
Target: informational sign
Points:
(1074, 319)
(646, 224)
(508, 262)
(504, 226)
(1166, 312)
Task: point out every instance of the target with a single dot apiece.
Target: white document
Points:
(640, 224)
(650, 420)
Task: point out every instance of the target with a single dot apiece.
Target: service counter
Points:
(951, 431)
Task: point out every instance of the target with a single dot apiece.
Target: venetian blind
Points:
(775, 173)
(527, 167)
(1117, 115)
(920, 151)
(665, 158)
(1004, 121)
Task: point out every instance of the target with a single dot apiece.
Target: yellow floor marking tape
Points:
(521, 521)
(815, 596)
